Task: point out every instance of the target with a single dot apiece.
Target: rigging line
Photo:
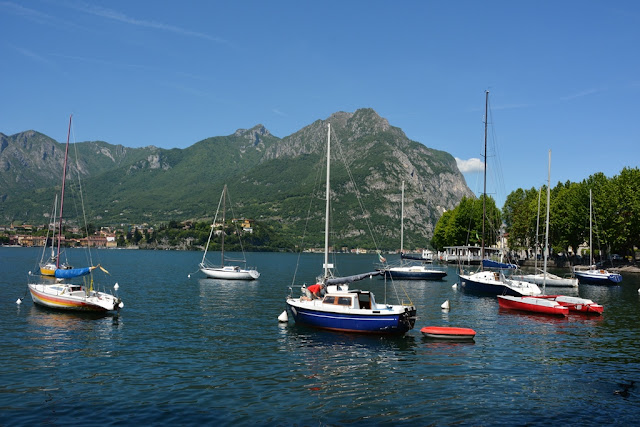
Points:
(312, 198)
(84, 215)
(233, 215)
(366, 214)
(215, 218)
(496, 172)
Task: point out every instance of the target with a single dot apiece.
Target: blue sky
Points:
(562, 75)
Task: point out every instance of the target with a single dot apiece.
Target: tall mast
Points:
(591, 258)
(224, 209)
(546, 233)
(484, 190)
(327, 266)
(53, 234)
(64, 177)
(402, 223)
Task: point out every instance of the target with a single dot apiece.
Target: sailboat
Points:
(545, 278)
(410, 271)
(60, 292)
(222, 271)
(492, 282)
(341, 308)
(594, 275)
(549, 304)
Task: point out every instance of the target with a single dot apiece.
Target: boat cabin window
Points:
(344, 301)
(329, 300)
(74, 288)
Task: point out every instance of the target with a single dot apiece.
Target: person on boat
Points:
(315, 291)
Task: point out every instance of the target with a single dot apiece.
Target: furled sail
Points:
(350, 279)
(73, 272)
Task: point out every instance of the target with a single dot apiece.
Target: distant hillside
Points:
(270, 179)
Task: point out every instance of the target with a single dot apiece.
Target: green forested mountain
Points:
(270, 179)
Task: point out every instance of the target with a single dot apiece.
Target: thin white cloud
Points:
(30, 54)
(121, 17)
(580, 94)
(278, 112)
(20, 10)
(472, 165)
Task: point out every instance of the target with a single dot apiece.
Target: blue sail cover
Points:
(72, 272)
(350, 279)
(495, 264)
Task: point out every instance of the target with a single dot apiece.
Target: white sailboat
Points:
(594, 275)
(225, 271)
(492, 282)
(60, 291)
(343, 309)
(410, 270)
(544, 277)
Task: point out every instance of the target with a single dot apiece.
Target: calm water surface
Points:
(190, 351)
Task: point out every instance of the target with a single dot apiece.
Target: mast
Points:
(53, 234)
(537, 231)
(484, 189)
(326, 265)
(591, 258)
(224, 206)
(546, 233)
(64, 177)
(402, 223)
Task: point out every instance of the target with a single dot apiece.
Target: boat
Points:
(549, 279)
(333, 306)
(492, 282)
(532, 304)
(448, 333)
(544, 277)
(549, 304)
(594, 275)
(410, 271)
(60, 291)
(222, 271)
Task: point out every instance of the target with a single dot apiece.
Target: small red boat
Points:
(448, 333)
(575, 304)
(532, 304)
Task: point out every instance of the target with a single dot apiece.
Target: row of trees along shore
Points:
(616, 217)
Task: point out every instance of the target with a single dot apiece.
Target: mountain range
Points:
(271, 180)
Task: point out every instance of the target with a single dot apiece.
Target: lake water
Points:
(192, 351)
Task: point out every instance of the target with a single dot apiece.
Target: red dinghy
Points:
(575, 304)
(447, 333)
(532, 304)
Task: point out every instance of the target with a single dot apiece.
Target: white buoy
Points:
(188, 276)
(284, 317)
(116, 286)
(121, 304)
(455, 286)
(19, 301)
(445, 305)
